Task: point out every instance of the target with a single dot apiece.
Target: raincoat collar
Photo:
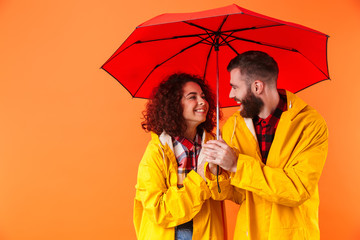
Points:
(165, 139)
(295, 106)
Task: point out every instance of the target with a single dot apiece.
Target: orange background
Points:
(70, 135)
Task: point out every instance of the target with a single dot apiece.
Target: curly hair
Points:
(164, 112)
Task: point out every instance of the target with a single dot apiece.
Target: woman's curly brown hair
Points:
(164, 112)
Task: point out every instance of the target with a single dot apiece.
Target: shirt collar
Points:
(188, 143)
(274, 117)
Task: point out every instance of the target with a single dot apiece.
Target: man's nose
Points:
(231, 94)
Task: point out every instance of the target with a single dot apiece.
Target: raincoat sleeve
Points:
(294, 183)
(168, 206)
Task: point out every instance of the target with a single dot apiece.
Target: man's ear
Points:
(258, 87)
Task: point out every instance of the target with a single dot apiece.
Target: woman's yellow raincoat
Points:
(160, 205)
(279, 200)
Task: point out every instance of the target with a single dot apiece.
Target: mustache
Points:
(236, 99)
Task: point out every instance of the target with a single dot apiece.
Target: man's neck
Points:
(271, 100)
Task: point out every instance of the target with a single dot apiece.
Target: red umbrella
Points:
(203, 43)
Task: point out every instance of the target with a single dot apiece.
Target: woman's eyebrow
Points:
(191, 93)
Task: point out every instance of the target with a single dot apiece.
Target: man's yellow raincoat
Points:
(160, 205)
(279, 200)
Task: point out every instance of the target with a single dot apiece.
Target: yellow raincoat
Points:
(279, 200)
(160, 205)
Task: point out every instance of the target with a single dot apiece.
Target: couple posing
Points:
(271, 156)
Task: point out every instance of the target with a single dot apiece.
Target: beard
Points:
(251, 105)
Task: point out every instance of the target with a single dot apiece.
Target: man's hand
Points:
(200, 168)
(219, 153)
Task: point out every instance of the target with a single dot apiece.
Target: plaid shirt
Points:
(186, 153)
(266, 128)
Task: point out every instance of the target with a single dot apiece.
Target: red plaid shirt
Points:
(186, 153)
(266, 128)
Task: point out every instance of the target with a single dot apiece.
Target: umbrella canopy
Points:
(203, 43)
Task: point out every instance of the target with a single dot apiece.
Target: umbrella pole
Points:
(217, 106)
(217, 96)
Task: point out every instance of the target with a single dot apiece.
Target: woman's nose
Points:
(201, 101)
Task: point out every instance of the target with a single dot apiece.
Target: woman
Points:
(172, 198)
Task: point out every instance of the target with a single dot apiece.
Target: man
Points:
(275, 149)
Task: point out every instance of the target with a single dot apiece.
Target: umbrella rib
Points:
(169, 38)
(207, 60)
(202, 28)
(158, 65)
(112, 57)
(262, 43)
(239, 30)
(191, 35)
(326, 75)
(222, 24)
(206, 39)
(233, 30)
(161, 39)
(269, 45)
(313, 84)
(228, 44)
(213, 39)
(117, 81)
(225, 39)
(208, 56)
(253, 28)
(200, 34)
(198, 26)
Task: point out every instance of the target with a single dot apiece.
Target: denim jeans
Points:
(184, 231)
